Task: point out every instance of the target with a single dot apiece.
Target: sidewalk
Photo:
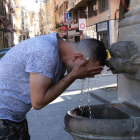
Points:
(48, 123)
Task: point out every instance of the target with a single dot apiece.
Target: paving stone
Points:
(34, 122)
(64, 137)
(39, 135)
(59, 134)
(44, 113)
(48, 120)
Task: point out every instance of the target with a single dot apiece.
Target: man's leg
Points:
(10, 130)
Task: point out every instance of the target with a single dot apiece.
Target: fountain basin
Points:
(110, 122)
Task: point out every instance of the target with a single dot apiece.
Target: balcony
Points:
(15, 29)
(56, 9)
(4, 16)
(12, 8)
(61, 19)
(2, 12)
(26, 30)
(80, 3)
(70, 7)
(60, 2)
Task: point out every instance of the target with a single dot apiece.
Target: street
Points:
(48, 123)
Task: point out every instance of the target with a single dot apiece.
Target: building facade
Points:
(25, 23)
(44, 17)
(34, 24)
(101, 19)
(6, 33)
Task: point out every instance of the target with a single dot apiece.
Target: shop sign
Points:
(73, 33)
(67, 18)
(82, 24)
(102, 26)
(73, 27)
(65, 28)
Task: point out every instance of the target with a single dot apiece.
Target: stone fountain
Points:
(116, 121)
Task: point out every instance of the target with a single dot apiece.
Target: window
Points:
(104, 5)
(32, 15)
(93, 8)
(10, 18)
(22, 13)
(22, 21)
(23, 37)
(103, 36)
(77, 16)
(22, 28)
(84, 15)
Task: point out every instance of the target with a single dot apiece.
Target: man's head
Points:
(92, 48)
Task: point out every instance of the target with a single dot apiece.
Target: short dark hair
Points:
(94, 49)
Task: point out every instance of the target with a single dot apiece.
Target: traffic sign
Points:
(82, 24)
(67, 18)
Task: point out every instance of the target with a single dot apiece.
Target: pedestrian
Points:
(32, 75)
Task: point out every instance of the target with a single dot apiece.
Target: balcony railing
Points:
(2, 11)
(4, 16)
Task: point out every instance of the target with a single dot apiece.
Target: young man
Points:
(32, 75)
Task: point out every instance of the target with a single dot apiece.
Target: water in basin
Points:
(101, 112)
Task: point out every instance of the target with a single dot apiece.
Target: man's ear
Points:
(77, 56)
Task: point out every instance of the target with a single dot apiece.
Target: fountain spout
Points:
(125, 57)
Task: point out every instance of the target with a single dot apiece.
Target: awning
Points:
(6, 25)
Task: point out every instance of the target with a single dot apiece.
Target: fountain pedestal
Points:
(110, 122)
(116, 121)
(129, 30)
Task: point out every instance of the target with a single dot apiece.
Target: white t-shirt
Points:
(35, 55)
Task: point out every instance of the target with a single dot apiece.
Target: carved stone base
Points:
(129, 85)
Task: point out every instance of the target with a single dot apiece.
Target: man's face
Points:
(93, 64)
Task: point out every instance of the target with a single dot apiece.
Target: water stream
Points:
(81, 95)
(88, 94)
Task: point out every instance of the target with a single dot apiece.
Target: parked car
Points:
(3, 52)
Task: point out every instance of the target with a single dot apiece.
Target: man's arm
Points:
(41, 91)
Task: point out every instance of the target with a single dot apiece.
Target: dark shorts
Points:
(10, 130)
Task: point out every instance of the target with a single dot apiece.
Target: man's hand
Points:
(42, 93)
(81, 71)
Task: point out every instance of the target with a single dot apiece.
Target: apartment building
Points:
(34, 24)
(25, 23)
(17, 23)
(6, 33)
(44, 18)
(101, 19)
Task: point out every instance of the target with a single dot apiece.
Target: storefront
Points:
(103, 32)
(90, 32)
(98, 31)
(74, 34)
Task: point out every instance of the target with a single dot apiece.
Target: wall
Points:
(129, 88)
